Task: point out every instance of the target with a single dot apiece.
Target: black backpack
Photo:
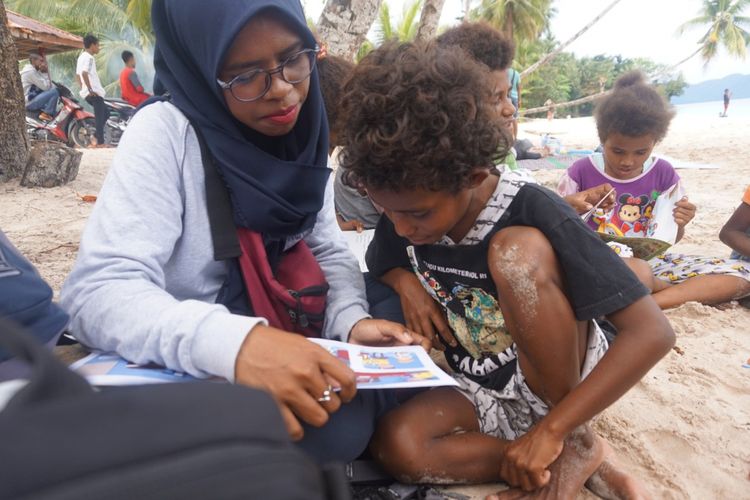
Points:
(60, 439)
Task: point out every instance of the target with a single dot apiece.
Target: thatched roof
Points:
(31, 35)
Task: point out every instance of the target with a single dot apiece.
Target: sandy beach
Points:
(684, 429)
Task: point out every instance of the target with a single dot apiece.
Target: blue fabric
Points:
(384, 302)
(26, 298)
(45, 101)
(277, 185)
(348, 431)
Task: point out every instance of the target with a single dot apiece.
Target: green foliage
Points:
(566, 78)
(119, 24)
(404, 31)
(523, 20)
(725, 26)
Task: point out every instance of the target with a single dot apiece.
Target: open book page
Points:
(656, 224)
(388, 367)
(107, 369)
(358, 243)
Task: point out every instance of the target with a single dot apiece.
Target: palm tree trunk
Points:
(575, 37)
(575, 102)
(14, 146)
(429, 19)
(343, 25)
(467, 10)
(508, 21)
(674, 66)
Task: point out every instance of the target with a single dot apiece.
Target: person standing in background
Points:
(727, 96)
(130, 85)
(515, 96)
(551, 109)
(91, 86)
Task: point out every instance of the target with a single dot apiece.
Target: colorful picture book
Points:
(376, 368)
(659, 226)
(107, 369)
(388, 367)
(358, 243)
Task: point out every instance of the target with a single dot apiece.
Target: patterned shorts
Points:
(676, 268)
(512, 411)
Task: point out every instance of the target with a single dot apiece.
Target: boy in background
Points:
(91, 87)
(130, 85)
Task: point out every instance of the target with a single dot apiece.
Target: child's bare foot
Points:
(582, 455)
(611, 482)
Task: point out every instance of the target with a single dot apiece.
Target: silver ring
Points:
(326, 395)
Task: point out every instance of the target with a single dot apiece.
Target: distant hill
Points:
(712, 90)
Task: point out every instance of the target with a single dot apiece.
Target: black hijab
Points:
(276, 184)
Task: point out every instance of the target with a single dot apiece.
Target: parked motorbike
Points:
(120, 113)
(71, 124)
(77, 127)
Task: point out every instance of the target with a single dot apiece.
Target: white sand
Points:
(684, 430)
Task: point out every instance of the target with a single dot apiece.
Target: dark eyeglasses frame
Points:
(269, 74)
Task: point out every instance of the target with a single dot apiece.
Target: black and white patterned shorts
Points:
(512, 411)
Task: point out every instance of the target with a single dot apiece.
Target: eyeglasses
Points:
(254, 84)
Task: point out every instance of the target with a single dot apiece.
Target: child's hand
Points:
(583, 201)
(381, 333)
(351, 225)
(422, 314)
(526, 460)
(683, 212)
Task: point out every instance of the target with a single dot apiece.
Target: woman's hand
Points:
(683, 212)
(296, 372)
(583, 201)
(382, 333)
(422, 314)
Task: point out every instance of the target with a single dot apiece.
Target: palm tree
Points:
(343, 25)
(518, 19)
(14, 145)
(405, 30)
(429, 19)
(575, 37)
(120, 24)
(725, 27)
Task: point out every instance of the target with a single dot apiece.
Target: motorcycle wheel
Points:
(82, 132)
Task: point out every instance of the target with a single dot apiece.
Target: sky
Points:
(633, 28)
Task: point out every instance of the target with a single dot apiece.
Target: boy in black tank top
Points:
(519, 277)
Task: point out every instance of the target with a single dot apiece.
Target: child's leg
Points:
(644, 273)
(707, 289)
(434, 438)
(551, 343)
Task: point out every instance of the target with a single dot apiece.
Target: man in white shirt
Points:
(91, 87)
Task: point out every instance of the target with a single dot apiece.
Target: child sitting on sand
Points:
(736, 232)
(517, 273)
(630, 122)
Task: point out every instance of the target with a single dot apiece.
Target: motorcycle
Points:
(71, 124)
(120, 113)
(77, 127)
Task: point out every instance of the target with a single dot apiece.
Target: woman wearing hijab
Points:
(152, 282)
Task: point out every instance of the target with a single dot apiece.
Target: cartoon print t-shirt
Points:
(635, 197)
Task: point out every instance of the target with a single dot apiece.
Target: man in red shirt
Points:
(130, 85)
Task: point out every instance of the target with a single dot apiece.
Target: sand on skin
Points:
(684, 429)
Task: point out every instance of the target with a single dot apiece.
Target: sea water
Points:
(737, 108)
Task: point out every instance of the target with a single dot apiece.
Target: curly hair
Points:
(332, 73)
(482, 42)
(634, 108)
(418, 115)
